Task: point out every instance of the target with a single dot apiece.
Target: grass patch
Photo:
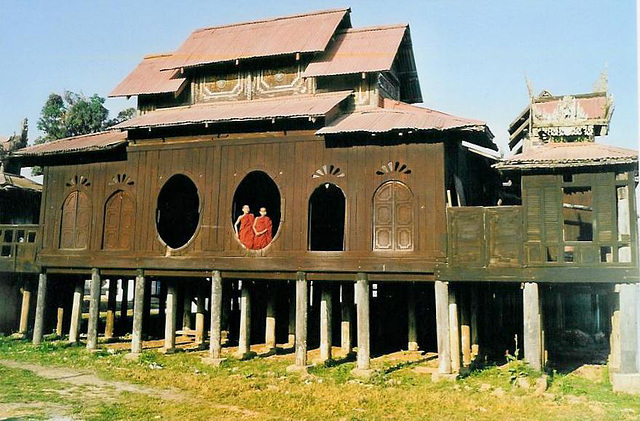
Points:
(262, 389)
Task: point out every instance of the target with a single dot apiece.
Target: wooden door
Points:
(393, 216)
(119, 213)
(76, 218)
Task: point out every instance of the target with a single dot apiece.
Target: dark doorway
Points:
(326, 218)
(257, 190)
(178, 211)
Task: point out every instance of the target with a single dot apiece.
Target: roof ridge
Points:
(372, 28)
(277, 18)
(157, 55)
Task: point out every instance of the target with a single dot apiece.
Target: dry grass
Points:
(261, 389)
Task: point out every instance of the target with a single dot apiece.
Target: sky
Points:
(472, 56)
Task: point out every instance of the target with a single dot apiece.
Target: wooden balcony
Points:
(18, 248)
(488, 244)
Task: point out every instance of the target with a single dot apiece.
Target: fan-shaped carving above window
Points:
(121, 178)
(78, 181)
(391, 167)
(328, 170)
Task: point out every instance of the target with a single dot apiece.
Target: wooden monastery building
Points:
(279, 179)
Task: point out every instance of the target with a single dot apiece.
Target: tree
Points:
(73, 114)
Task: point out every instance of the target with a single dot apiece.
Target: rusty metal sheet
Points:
(304, 33)
(591, 108)
(569, 155)
(359, 50)
(395, 115)
(13, 181)
(299, 106)
(148, 78)
(89, 142)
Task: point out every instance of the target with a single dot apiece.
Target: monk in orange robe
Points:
(262, 227)
(245, 234)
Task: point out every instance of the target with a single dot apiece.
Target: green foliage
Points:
(124, 115)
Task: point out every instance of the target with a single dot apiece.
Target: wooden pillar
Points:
(161, 287)
(170, 318)
(112, 294)
(76, 311)
(124, 304)
(533, 347)
(475, 346)
(270, 323)
(26, 306)
(362, 307)
(215, 343)
(302, 299)
(346, 311)
(60, 293)
(186, 307)
(465, 327)
(442, 326)
(325, 323)
(94, 310)
(412, 328)
(146, 309)
(200, 333)
(454, 331)
(291, 331)
(138, 312)
(38, 326)
(244, 341)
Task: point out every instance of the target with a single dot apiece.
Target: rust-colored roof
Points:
(148, 78)
(84, 143)
(395, 115)
(13, 181)
(304, 33)
(359, 50)
(577, 154)
(262, 109)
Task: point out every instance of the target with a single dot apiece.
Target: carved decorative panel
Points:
(76, 219)
(393, 217)
(119, 214)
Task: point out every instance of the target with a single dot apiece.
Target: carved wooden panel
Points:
(119, 214)
(76, 218)
(393, 217)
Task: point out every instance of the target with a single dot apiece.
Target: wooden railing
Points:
(18, 247)
(485, 236)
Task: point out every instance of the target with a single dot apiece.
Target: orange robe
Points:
(245, 233)
(262, 241)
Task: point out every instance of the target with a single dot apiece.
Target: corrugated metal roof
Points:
(395, 115)
(263, 109)
(13, 181)
(577, 154)
(84, 143)
(148, 78)
(304, 33)
(359, 50)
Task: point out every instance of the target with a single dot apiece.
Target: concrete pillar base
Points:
(362, 373)
(215, 362)
(626, 383)
(245, 355)
(300, 369)
(132, 356)
(439, 377)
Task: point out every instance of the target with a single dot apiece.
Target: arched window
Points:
(119, 213)
(178, 211)
(393, 215)
(256, 202)
(326, 218)
(76, 218)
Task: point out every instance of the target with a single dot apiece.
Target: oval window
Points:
(256, 210)
(178, 211)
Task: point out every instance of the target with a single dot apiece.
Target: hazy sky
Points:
(471, 55)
